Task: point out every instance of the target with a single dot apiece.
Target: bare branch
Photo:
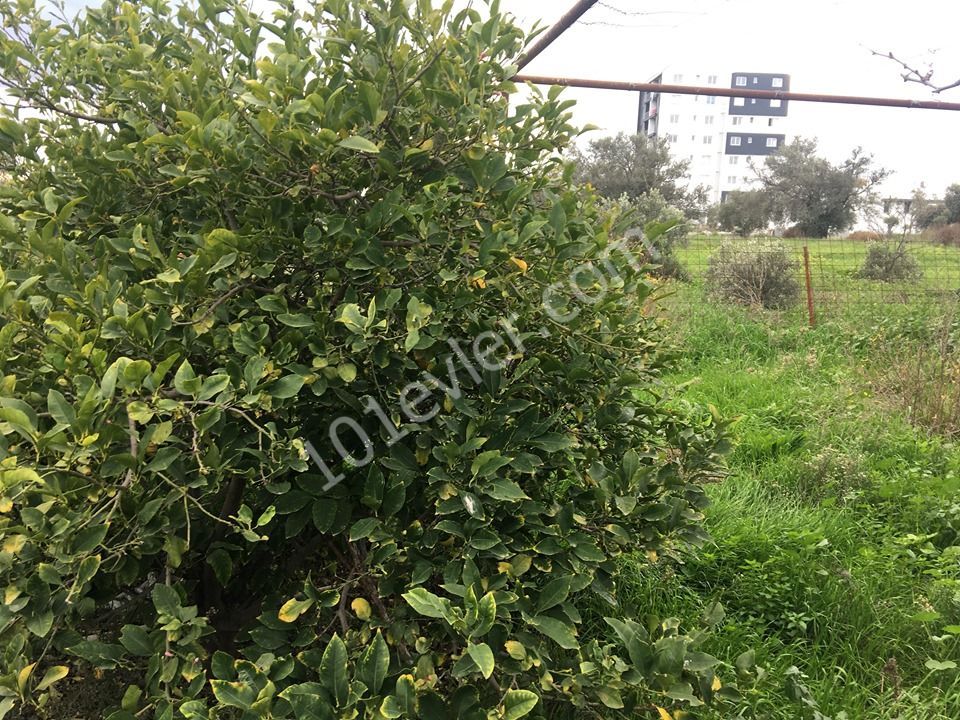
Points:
(913, 75)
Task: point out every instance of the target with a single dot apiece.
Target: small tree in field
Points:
(635, 166)
(745, 212)
(818, 197)
(318, 379)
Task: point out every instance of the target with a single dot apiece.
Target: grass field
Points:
(836, 535)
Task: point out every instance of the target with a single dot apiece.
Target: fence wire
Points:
(822, 277)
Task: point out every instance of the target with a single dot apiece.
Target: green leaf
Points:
(59, 408)
(553, 593)
(234, 694)
(363, 528)
(486, 615)
(333, 670)
(374, 664)
(426, 603)
(165, 599)
(361, 144)
(137, 640)
(938, 665)
(518, 703)
(561, 633)
(482, 655)
(185, 381)
(287, 387)
(88, 539)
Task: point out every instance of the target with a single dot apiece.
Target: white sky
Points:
(823, 44)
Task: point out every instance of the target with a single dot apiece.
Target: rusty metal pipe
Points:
(561, 26)
(737, 92)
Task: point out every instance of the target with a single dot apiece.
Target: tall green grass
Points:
(834, 534)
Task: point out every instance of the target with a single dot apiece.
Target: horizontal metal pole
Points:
(561, 26)
(737, 93)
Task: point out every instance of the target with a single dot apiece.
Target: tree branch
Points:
(913, 75)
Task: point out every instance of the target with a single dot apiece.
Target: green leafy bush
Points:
(323, 392)
(753, 272)
(889, 262)
(662, 228)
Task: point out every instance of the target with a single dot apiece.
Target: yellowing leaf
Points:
(52, 675)
(361, 608)
(515, 650)
(24, 676)
(652, 555)
(292, 609)
(14, 544)
(519, 263)
(716, 684)
(6, 505)
(664, 715)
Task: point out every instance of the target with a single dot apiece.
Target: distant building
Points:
(719, 136)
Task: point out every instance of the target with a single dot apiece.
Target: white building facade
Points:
(720, 137)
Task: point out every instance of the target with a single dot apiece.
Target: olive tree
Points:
(324, 392)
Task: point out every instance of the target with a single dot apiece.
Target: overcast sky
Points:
(823, 44)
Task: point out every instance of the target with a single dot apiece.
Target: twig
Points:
(912, 75)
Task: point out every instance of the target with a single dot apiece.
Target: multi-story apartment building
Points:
(720, 137)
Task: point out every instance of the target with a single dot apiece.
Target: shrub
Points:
(661, 226)
(794, 232)
(946, 234)
(753, 272)
(226, 263)
(889, 262)
(865, 236)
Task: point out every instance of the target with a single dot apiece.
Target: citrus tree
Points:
(324, 393)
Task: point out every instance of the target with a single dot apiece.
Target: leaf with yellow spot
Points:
(479, 282)
(361, 608)
(520, 263)
(10, 594)
(652, 555)
(6, 505)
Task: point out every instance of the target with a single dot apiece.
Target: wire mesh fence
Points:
(817, 278)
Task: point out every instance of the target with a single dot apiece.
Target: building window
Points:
(736, 141)
(749, 141)
(771, 142)
(694, 118)
(741, 81)
(711, 79)
(770, 122)
(708, 139)
(678, 78)
(776, 103)
(734, 160)
(778, 82)
(672, 138)
(738, 102)
(711, 100)
(753, 101)
(674, 118)
(756, 80)
(708, 119)
(737, 120)
(732, 179)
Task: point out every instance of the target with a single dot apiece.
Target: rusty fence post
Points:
(806, 269)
